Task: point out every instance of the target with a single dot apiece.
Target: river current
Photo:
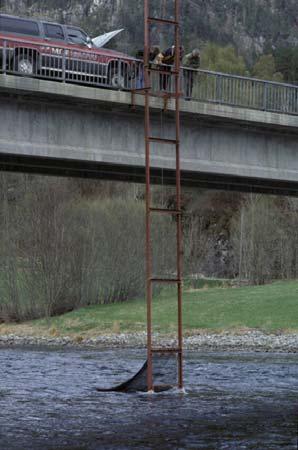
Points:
(235, 401)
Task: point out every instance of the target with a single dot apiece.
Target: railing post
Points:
(218, 88)
(119, 73)
(182, 83)
(63, 65)
(265, 92)
(4, 56)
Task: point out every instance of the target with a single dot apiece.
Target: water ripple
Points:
(234, 401)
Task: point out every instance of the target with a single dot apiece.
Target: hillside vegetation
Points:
(66, 244)
(270, 308)
(252, 27)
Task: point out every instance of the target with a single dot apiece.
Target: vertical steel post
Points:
(178, 192)
(148, 198)
(149, 210)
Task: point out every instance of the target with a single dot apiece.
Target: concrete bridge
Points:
(65, 129)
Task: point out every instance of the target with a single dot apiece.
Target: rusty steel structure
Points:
(148, 91)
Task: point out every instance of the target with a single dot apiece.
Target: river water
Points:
(233, 401)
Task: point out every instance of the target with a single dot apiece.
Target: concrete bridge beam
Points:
(50, 127)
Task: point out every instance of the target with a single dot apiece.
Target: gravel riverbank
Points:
(246, 341)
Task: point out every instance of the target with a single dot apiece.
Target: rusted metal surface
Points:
(178, 195)
(148, 199)
(162, 141)
(164, 21)
(165, 280)
(165, 211)
(166, 350)
(166, 89)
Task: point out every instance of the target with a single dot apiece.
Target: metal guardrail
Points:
(215, 87)
(244, 92)
(76, 66)
(68, 65)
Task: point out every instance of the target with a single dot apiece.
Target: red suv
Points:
(64, 52)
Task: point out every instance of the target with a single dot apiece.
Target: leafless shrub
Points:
(264, 239)
(114, 264)
(61, 250)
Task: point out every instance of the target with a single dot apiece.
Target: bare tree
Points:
(264, 239)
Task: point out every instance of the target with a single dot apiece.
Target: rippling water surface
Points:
(234, 401)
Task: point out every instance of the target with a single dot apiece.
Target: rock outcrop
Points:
(253, 26)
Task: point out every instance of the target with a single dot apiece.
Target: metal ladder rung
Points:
(159, 20)
(163, 71)
(142, 89)
(166, 211)
(166, 350)
(163, 141)
(166, 280)
(164, 94)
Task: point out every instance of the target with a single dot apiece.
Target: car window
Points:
(53, 31)
(77, 36)
(20, 26)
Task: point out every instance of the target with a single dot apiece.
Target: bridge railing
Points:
(233, 90)
(70, 65)
(84, 67)
(241, 91)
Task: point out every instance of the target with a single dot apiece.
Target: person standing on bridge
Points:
(191, 62)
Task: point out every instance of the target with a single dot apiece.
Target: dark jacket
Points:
(191, 61)
(169, 55)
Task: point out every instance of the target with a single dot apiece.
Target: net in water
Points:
(164, 368)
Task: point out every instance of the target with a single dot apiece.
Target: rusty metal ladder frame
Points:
(149, 209)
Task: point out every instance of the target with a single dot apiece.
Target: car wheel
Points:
(25, 65)
(117, 80)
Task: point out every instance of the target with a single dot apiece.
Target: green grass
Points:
(270, 308)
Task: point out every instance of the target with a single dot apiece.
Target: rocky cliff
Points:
(253, 26)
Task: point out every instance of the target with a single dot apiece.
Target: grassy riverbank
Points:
(270, 308)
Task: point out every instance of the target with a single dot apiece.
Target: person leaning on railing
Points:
(169, 60)
(191, 62)
(155, 55)
(155, 59)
